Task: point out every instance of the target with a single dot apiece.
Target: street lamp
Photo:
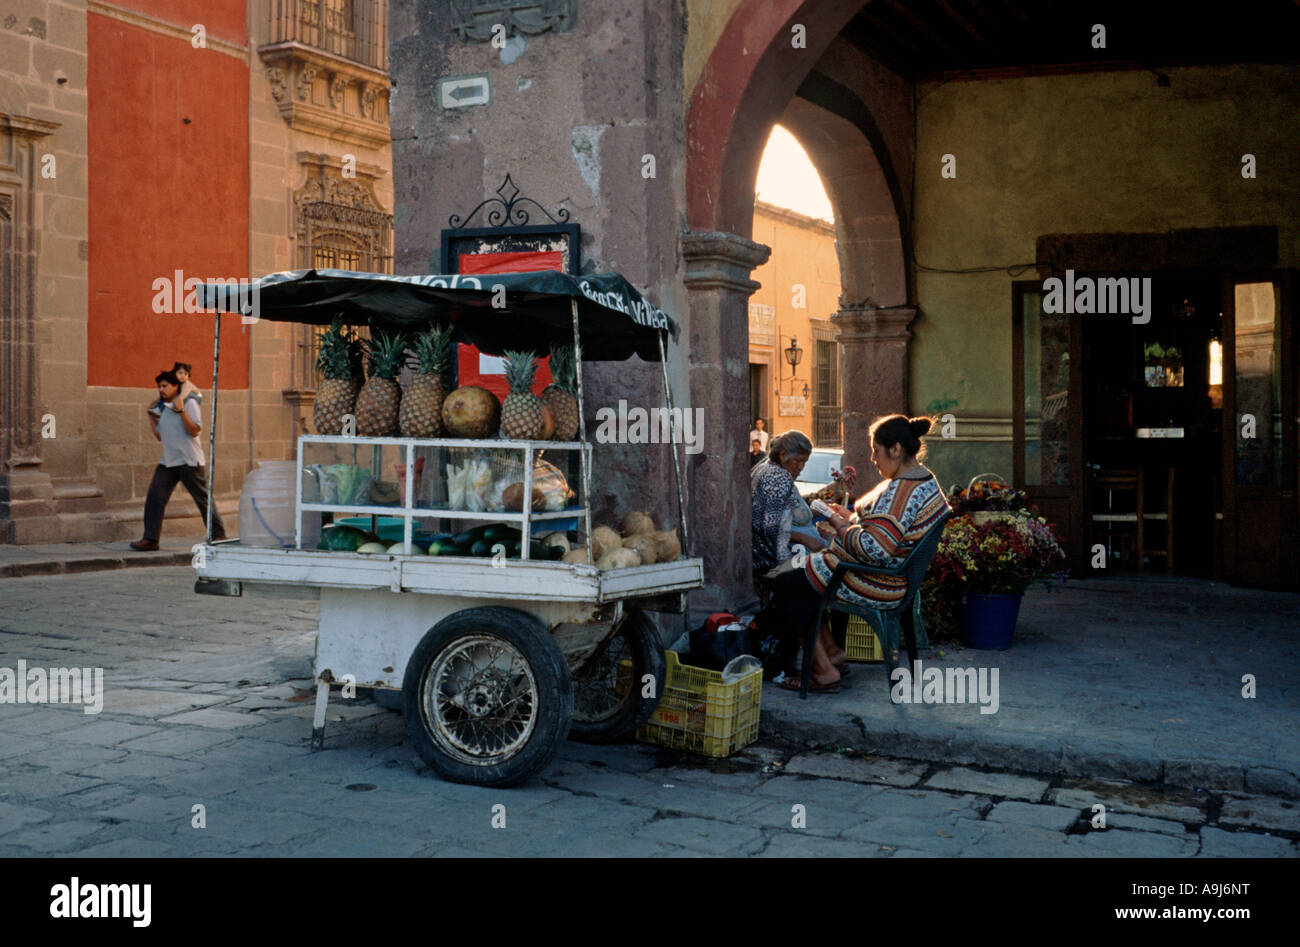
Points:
(794, 354)
(805, 391)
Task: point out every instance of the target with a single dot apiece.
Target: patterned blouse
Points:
(895, 514)
(772, 513)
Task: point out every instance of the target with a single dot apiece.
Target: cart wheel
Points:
(607, 703)
(488, 697)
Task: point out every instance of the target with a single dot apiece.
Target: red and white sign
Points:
(488, 371)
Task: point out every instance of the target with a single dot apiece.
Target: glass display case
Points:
(413, 491)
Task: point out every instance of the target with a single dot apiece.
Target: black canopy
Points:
(615, 321)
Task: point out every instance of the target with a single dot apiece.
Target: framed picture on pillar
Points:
(509, 243)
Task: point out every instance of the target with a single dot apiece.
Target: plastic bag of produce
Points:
(555, 488)
(349, 484)
(456, 486)
(479, 489)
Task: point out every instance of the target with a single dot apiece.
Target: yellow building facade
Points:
(790, 318)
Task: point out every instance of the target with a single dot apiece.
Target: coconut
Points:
(576, 555)
(471, 411)
(558, 539)
(633, 524)
(619, 559)
(645, 547)
(667, 546)
(604, 540)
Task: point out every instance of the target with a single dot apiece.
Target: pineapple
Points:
(521, 413)
(336, 360)
(377, 404)
(559, 395)
(421, 414)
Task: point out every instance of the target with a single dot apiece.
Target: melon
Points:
(471, 411)
(548, 423)
(373, 548)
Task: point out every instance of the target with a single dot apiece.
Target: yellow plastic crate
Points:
(699, 714)
(860, 641)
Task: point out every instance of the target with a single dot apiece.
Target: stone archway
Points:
(755, 77)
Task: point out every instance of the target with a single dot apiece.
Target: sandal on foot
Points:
(796, 684)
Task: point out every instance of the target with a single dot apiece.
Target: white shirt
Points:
(760, 436)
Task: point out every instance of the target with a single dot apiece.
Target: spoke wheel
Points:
(487, 697)
(608, 705)
(480, 700)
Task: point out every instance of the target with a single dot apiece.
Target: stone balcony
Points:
(327, 94)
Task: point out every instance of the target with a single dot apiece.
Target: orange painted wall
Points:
(224, 19)
(163, 195)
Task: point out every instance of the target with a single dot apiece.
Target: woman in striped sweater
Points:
(882, 529)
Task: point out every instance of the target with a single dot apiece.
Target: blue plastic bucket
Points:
(989, 621)
(390, 529)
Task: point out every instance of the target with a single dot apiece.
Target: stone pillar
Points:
(717, 346)
(26, 492)
(873, 377)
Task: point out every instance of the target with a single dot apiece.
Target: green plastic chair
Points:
(886, 622)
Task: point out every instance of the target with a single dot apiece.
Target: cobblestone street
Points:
(207, 702)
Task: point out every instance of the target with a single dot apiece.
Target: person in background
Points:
(182, 371)
(177, 426)
(755, 452)
(759, 432)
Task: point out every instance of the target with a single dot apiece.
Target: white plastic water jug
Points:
(266, 507)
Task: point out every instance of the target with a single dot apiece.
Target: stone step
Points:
(27, 509)
(79, 498)
(187, 523)
(88, 527)
(21, 485)
(27, 530)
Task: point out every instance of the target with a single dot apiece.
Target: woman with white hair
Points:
(774, 500)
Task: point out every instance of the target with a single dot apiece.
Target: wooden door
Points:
(1260, 428)
(1047, 416)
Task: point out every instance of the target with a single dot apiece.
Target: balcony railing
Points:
(827, 425)
(353, 29)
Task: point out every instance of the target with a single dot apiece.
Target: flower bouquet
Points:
(996, 544)
(839, 490)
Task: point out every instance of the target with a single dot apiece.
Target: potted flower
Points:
(991, 551)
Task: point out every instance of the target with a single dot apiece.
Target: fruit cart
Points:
(499, 649)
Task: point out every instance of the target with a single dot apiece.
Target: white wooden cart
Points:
(498, 660)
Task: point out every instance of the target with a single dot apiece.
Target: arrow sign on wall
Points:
(460, 92)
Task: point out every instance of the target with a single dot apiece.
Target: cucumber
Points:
(499, 531)
(481, 548)
(468, 537)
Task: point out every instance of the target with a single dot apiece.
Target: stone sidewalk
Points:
(208, 702)
(63, 558)
(1139, 679)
